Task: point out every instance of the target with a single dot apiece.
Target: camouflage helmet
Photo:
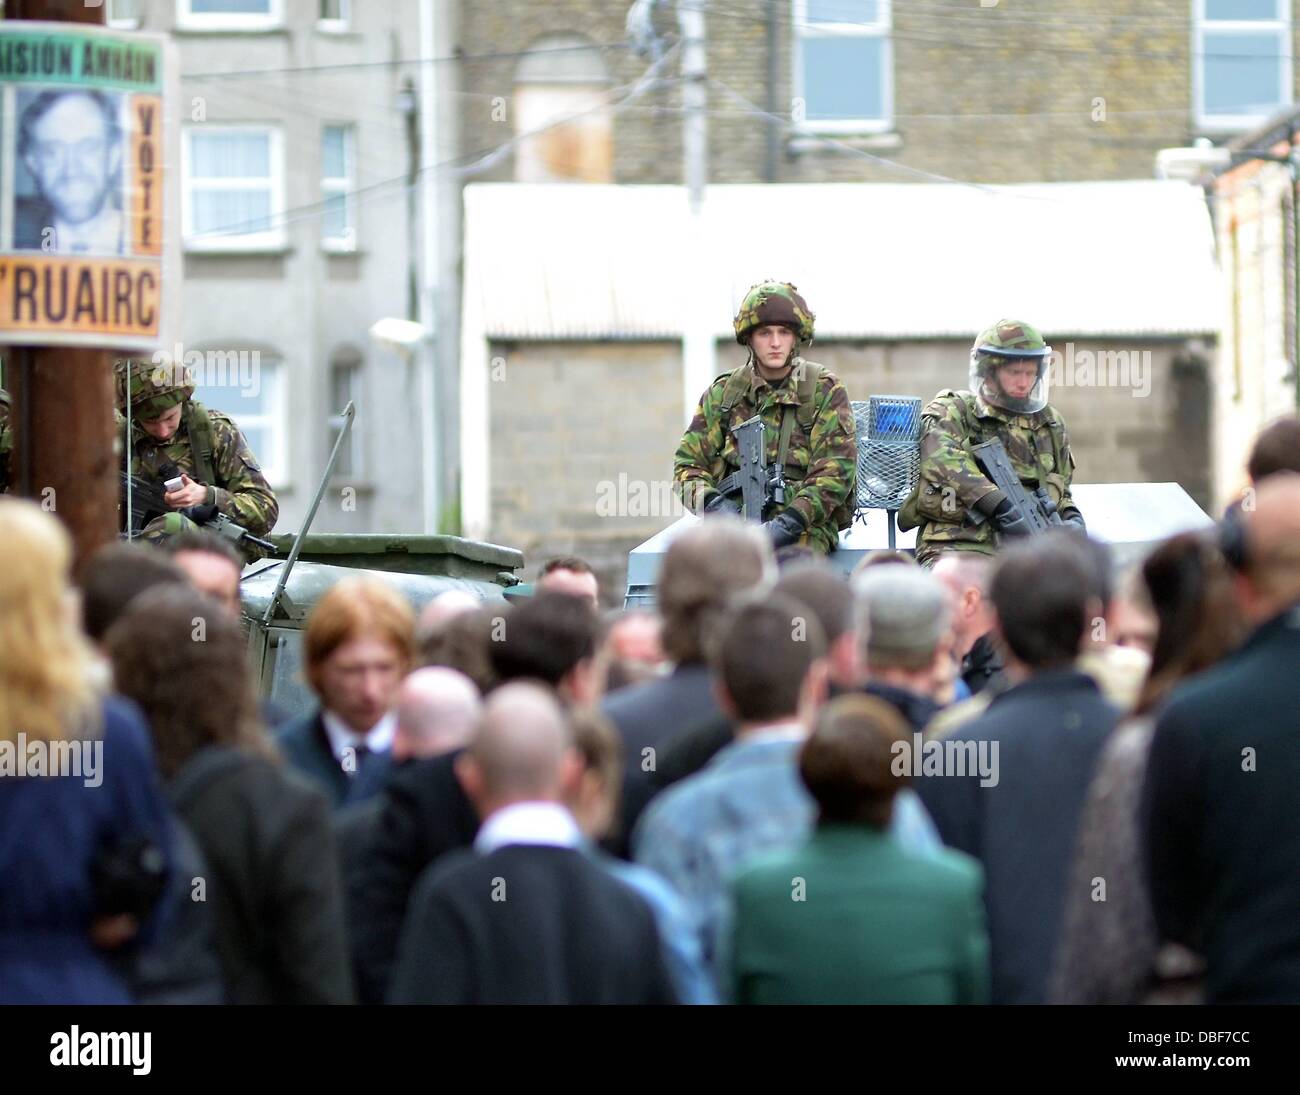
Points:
(155, 389)
(1004, 343)
(774, 302)
(1010, 338)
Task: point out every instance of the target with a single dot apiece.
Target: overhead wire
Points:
(464, 58)
(483, 160)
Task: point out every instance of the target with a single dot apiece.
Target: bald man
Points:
(444, 607)
(437, 712)
(966, 576)
(526, 917)
(1221, 813)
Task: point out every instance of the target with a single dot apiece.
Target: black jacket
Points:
(649, 716)
(1222, 816)
(306, 747)
(181, 965)
(272, 879)
(528, 924)
(424, 814)
(982, 667)
(917, 709)
(1050, 731)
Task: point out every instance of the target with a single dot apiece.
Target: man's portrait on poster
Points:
(68, 179)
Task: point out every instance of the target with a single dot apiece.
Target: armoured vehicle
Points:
(421, 567)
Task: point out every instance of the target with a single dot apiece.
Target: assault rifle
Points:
(760, 483)
(1037, 510)
(147, 500)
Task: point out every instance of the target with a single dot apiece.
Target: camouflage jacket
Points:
(951, 483)
(821, 463)
(6, 441)
(241, 491)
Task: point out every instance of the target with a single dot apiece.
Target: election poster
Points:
(83, 195)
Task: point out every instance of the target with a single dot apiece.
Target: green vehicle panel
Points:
(420, 567)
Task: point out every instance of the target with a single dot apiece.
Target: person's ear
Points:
(846, 659)
(470, 776)
(970, 602)
(1245, 592)
(813, 691)
(723, 699)
(572, 769)
(580, 683)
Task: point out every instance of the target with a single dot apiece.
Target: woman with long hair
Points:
(85, 832)
(1109, 951)
(273, 879)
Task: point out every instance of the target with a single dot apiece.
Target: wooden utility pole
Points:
(63, 397)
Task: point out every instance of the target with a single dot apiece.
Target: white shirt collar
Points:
(546, 823)
(379, 739)
(102, 235)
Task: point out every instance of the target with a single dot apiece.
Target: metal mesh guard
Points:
(889, 453)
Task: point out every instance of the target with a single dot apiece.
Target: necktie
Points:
(354, 756)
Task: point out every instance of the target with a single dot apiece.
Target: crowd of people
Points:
(1021, 778)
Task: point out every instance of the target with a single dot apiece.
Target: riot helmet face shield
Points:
(1016, 383)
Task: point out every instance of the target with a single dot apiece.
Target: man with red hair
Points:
(358, 646)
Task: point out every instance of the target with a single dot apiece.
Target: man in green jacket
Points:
(851, 917)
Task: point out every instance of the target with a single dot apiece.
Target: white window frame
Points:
(188, 19)
(881, 28)
(274, 239)
(345, 185)
(132, 22)
(340, 25)
(1201, 26)
(274, 463)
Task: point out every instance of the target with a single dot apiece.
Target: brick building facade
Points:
(1030, 91)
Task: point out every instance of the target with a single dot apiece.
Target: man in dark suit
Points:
(358, 645)
(703, 567)
(1220, 806)
(438, 710)
(966, 574)
(1010, 784)
(425, 811)
(527, 917)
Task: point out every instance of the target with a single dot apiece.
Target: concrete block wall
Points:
(572, 420)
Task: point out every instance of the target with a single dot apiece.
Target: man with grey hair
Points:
(526, 917)
(703, 568)
(903, 626)
(437, 711)
(966, 574)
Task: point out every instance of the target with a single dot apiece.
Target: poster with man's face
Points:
(82, 178)
(68, 175)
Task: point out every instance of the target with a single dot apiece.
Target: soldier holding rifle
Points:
(805, 454)
(995, 460)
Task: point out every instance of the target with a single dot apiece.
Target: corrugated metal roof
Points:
(555, 261)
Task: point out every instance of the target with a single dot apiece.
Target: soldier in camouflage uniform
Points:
(220, 474)
(6, 442)
(797, 399)
(956, 507)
